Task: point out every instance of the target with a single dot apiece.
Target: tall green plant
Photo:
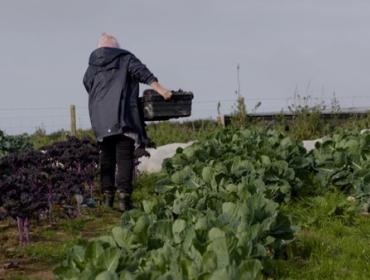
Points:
(239, 116)
(307, 122)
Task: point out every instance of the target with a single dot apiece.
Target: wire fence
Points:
(50, 119)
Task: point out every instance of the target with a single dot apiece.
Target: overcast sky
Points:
(313, 47)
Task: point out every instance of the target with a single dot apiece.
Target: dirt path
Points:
(49, 243)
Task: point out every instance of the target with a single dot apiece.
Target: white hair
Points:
(108, 41)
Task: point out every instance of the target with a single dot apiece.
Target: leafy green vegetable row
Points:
(209, 219)
(342, 161)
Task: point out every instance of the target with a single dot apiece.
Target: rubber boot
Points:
(108, 199)
(125, 202)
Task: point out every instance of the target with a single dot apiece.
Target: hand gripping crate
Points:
(156, 108)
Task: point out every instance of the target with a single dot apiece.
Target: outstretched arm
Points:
(140, 72)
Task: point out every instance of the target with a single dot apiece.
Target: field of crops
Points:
(236, 205)
(217, 212)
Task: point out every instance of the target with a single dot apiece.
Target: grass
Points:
(170, 132)
(49, 243)
(333, 242)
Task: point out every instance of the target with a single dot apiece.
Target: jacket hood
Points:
(104, 56)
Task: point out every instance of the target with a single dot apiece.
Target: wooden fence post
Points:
(72, 110)
(221, 120)
(224, 120)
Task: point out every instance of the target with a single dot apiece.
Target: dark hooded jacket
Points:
(112, 82)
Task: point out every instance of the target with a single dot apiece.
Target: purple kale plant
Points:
(34, 181)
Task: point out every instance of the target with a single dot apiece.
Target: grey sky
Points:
(318, 46)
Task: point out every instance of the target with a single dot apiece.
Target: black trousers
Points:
(116, 152)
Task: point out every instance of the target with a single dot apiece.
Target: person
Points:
(112, 82)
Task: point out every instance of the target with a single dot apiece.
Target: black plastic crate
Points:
(155, 108)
